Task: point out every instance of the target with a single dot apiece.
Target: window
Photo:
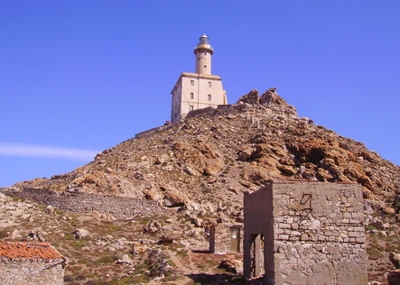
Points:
(209, 97)
(209, 84)
(205, 66)
(191, 108)
(192, 82)
(191, 95)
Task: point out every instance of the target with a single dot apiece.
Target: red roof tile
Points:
(30, 250)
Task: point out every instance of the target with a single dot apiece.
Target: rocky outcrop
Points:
(158, 264)
(250, 98)
(196, 171)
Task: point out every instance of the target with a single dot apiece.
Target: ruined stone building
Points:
(26, 263)
(224, 239)
(197, 90)
(305, 233)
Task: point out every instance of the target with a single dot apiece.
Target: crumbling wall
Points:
(31, 271)
(223, 238)
(119, 207)
(318, 233)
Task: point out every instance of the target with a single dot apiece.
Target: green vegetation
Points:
(3, 234)
(105, 259)
(77, 244)
(370, 228)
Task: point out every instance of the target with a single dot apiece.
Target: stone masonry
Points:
(307, 233)
(224, 239)
(26, 263)
(80, 202)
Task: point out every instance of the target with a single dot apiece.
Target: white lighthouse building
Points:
(200, 89)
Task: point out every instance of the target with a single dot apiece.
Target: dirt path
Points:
(199, 265)
(184, 266)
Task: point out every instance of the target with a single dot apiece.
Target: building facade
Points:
(27, 263)
(197, 90)
(308, 233)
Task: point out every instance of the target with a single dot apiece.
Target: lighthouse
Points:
(203, 52)
(200, 89)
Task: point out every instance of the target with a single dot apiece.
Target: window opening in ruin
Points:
(205, 66)
(211, 238)
(305, 206)
(191, 95)
(191, 107)
(209, 97)
(192, 82)
(209, 84)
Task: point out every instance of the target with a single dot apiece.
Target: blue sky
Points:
(78, 77)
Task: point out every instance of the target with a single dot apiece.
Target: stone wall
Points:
(119, 207)
(313, 232)
(26, 271)
(224, 239)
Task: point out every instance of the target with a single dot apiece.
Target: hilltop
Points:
(193, 173)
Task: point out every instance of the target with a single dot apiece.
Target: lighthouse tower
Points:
(203, 52)
(197, 90)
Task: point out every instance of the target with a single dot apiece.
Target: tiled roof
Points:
(30, 250)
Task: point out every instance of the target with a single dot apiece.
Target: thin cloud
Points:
(27, 150)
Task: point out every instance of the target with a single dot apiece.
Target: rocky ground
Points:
(198, 169)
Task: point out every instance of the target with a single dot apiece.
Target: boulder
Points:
(272, 100)
(213, 167)
(250, 98)
(174, 199)
(167, 239)
(230, 265)
(36, 235)
(158, 264)
(255, 174)
(163, 158)
(81, 233)
(245, 153)
(153, 194)
(152, 227)
(190, 171)
(197, 221)
(287, 170)
(124, 259)
(50, 209)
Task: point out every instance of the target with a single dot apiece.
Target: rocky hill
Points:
(195, 173)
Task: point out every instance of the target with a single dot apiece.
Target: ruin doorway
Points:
(257, 255)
